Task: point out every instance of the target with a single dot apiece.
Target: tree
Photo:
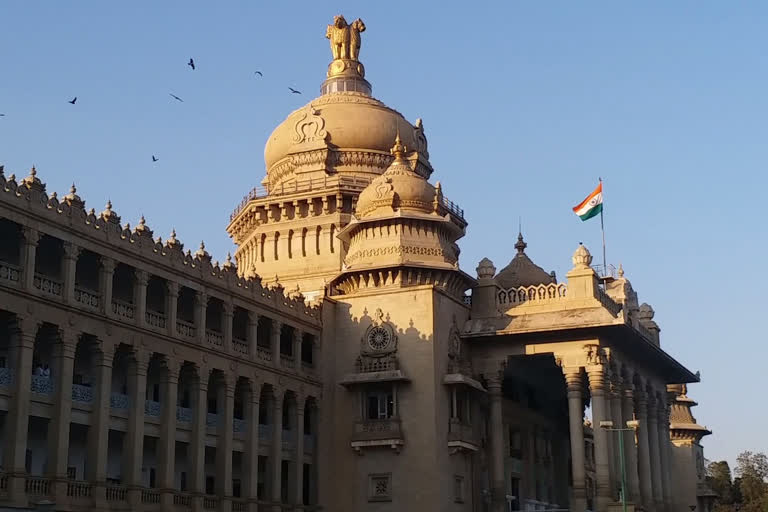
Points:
(752, 470)
(719, 480)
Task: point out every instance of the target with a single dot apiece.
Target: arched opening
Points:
(332, 239)
(122, 290)
(185, 312)
(48, 267)
(214, 320)
(286, 340)
(156, 290)
(264, 333)
(277, 245)
(87, 278)
(10, 250)
(290, 244)
(318, 236)
(262, 243)
(240, 330)
(304, 242)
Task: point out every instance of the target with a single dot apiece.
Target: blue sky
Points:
(525, 104)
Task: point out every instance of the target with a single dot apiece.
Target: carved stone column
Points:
(251, 455)
(106, 276)
(201, 304)
(596, 374)
(227, 315)
(574, 384)
(618, 422)
(172, 306)
(299, 479)
(133, 444)
(494, 384)
(140, 296)
(653, 449)
(167, 447)
(98, 432)
(664, 454)
(276, 453)
(298, 334)
(226, 401)
(69, 264)
(31, 238)
(630, 445)
(277, 328)
(58, 429)
(197, 444)
(253, 335)
(643, 450)
(17, 420)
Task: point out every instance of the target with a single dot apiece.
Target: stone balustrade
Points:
(214, 338)
(154, 319)
(88, 298)
(10, 273)
(82, 393)
(47, 285)
(185, 329)
(122, 309)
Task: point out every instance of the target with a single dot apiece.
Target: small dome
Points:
(485, 269)
(399, 188)
(581, 257)
(522, 271)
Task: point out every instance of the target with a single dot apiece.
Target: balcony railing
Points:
(182, 500)
(264, 354)
(87, 298)
(185, 329)
(10, 273)
(265, 432)
(542, 293)
(79, 489)
(122, 309)
(458, 431)
(48, 285)
(368, 430)
(119, 401)
(36, 486)
(214, 338)
(239, 425)
(376, 364)
(116, 493)
(42, 385)
(154, 319)
(150, 496)
(152, 408)
(239, 505)
(183, 414)
(6, 377)
(211, 419)
(287, 361)
(309, 443)
(210, 502)
(82, 393)
(240, 346)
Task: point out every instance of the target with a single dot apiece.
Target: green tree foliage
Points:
(752, 470)
(720, 481)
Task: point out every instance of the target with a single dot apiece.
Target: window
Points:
(458, 489)
(183, 481)
(515, 443)
(285, 471)
(306, 484)
(210, 485)
(380, 487)
(262, 472)
(379, 405)
(514, 490)
(72, 473)
(236, 487)
(212, 405)
(152, 478)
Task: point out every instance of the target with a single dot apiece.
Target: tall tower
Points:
(318, 161)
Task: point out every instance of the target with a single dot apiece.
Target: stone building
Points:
(342, 361)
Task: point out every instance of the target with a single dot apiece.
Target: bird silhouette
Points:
(176, 97)
(2, 115)
(191, 63)
(154, 158)
(73, 100)
(259, 73)
(294, 91)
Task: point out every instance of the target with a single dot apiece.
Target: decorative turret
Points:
(110, 216)
(522, 271)
(32, 181)
(72, 199)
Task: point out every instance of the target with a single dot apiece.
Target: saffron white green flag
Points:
(592, 205)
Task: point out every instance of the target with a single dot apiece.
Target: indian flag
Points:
(592, 205)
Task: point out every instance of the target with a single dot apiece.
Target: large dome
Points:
(344, 121)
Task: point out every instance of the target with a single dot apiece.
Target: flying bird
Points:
(2, 115)
(154, 158)
(258, 73)
(294, 91)
(176, 97)
(73, 100)
(191, 63)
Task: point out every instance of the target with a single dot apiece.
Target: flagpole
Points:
(602, 228)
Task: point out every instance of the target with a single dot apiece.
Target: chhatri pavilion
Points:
(341, 361)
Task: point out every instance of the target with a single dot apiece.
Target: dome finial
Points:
(520, 245)
(73, 188)
(399, 148)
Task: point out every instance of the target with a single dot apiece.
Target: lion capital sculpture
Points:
(345, 38)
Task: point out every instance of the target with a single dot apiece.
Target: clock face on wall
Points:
(379, 338)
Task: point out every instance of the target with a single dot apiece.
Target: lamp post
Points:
(631, 427)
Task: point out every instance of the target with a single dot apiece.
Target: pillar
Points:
(58, 427)
(498, 501)
(643, 452)
(630, 445)
(574, 385)
(251, 454)
(653, 449)
(277, 328)
(31, 238)
(276, 453)
(98, 432)
(201, 304)
(253, 335)
(299, 478)
(105, 284)
(140, 296)
(618, 422)
(17, 420)
(297, 335)
(71, 252)
(663, 435)
(596, 375)
(226, 403)
(133, 444)
(197, 443)
(227, 315)
(172, 306)
(167, 456)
